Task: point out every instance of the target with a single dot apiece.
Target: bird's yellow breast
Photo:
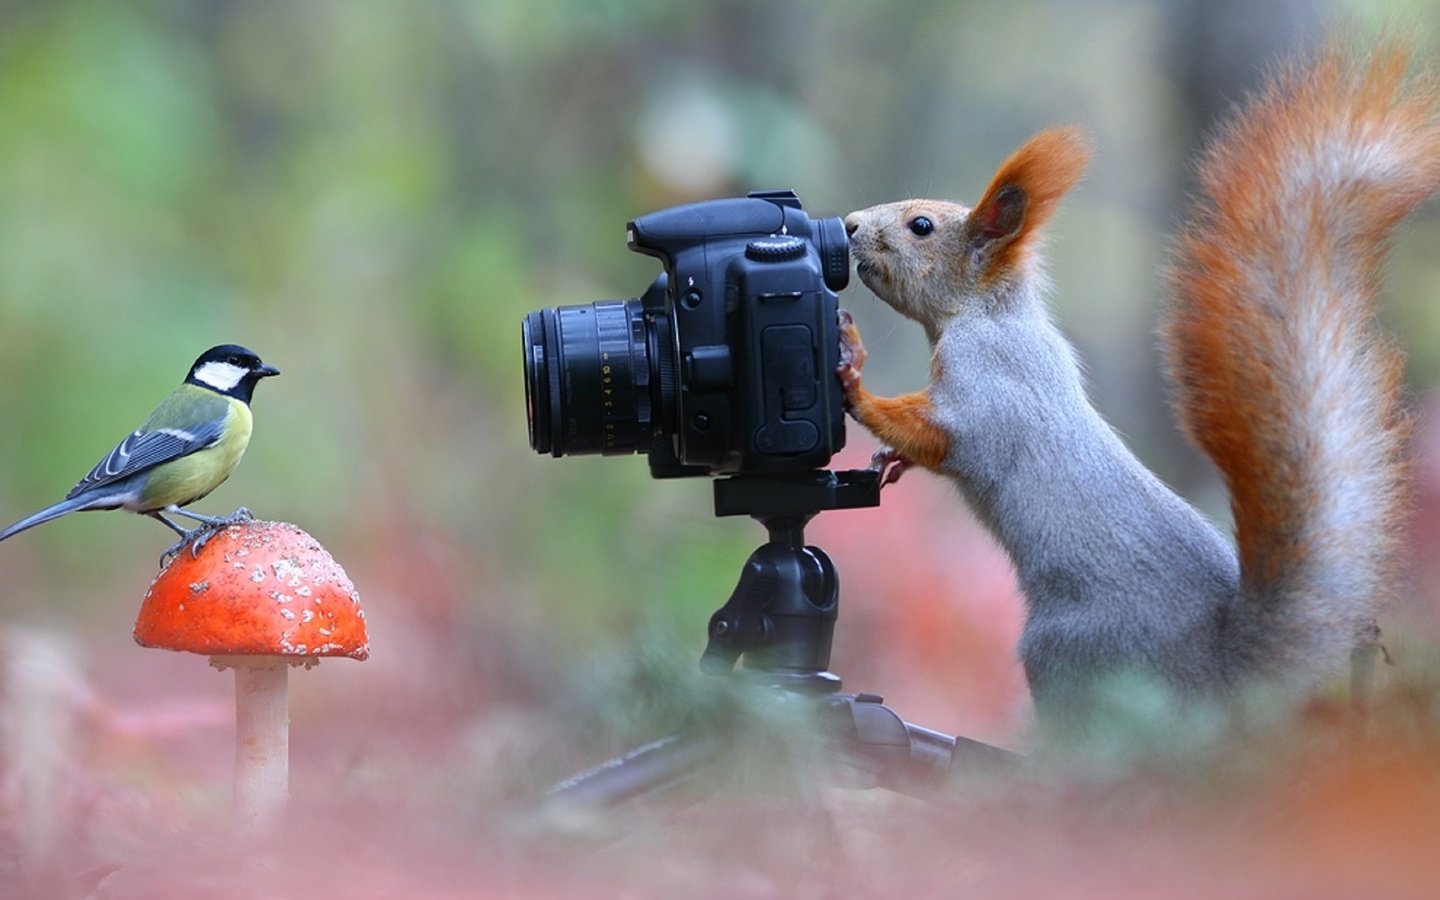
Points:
(191, 477)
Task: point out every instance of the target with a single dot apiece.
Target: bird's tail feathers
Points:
(73, 504)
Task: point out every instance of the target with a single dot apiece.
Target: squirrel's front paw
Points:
(891, 464)
(852, 356)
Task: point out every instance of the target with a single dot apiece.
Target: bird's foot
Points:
(197, 537)
(239, 517)
(174, 549)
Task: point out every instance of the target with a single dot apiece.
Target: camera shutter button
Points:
(776, 248)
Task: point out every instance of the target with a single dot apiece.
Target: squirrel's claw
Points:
(891, 464)
(852, 357)
(852, 351)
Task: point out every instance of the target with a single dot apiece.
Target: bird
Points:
(186, 448)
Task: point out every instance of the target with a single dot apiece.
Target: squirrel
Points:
(1280, 375)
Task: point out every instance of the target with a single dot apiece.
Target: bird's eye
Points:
(921, 226)
(236, 361)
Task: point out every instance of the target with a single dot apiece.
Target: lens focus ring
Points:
(588, 379)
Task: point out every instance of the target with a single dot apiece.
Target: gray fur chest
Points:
(1117, 571)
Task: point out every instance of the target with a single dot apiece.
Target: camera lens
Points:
(589, 378)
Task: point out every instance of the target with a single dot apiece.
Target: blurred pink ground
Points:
(406, 768)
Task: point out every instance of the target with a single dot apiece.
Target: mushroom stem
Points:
(262, 737)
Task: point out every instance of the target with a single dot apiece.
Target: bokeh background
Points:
(371, 195)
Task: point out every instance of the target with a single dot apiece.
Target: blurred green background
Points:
(371, 194)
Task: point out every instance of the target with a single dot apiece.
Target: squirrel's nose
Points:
(851, 224)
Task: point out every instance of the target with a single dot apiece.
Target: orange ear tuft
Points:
(1026, 190)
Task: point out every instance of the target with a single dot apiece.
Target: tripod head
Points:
(781, 615)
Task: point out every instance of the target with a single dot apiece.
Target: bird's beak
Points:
(264, 371)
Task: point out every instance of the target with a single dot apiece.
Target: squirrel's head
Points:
(933, 260)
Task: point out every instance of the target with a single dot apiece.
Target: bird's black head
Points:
(231, 370)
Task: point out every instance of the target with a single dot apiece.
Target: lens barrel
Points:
(589, 379)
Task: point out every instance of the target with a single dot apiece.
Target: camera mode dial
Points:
(776, 248)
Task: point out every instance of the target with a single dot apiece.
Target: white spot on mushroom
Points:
(287, 571)
(288, 614)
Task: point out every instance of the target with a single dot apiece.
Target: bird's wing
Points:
(148, 449)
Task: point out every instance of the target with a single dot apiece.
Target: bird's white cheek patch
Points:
(222, 376)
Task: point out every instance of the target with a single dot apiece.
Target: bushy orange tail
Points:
(1280, 372)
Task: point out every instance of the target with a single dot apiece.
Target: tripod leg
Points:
(645, 771)
(904, 757)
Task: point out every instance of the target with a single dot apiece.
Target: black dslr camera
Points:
(725, 365)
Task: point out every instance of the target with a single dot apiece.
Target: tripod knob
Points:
(731, 633)
(781, 616)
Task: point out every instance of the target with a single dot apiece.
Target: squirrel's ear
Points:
(1023, 195)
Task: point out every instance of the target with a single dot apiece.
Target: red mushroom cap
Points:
(260, 588)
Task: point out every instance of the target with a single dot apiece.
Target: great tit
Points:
(187, 448)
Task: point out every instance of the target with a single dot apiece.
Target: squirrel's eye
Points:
(921, 226)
